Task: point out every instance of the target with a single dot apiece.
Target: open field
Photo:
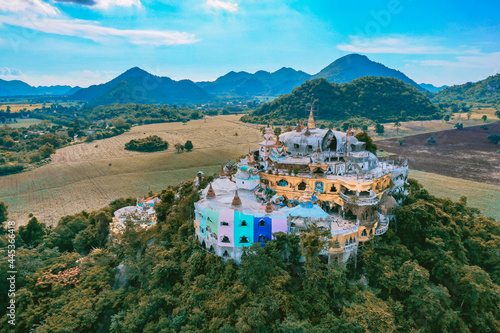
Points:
(24, 123)
(479, 195)
(88, 176)
(464, 154)
(18, 107)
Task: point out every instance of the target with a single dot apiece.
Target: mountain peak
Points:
(354, 65)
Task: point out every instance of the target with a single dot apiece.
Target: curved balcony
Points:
(360, 200)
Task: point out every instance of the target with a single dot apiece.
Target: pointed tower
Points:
(265, 146)
(310, 122)
(211, 192)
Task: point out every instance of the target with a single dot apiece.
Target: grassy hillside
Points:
(378, 99)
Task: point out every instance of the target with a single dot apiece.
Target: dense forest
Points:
(437, 270)
(484, 91)
(375, 98)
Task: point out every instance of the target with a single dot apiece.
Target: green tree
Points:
(397, 124)
(484, 118)
(459, 126)
(188, 145)
(277, 131)
(379, 128)
(33, 233)
(364, 137)
(3, 212)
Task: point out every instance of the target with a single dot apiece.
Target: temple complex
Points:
(307, 177)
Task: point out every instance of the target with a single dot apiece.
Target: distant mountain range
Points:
(432, 88)
(137, 85)
(20, 88)
(484, 91)
(283, 81)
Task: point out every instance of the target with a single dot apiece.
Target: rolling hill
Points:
(484, 91)
(375, 98)
(432, 88)
(137, 85)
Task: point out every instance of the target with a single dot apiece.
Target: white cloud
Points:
(94, 31)
(224, 5)
(4, 71)
(481, 61)
(28, 6)
(105, 4)
(400, 45)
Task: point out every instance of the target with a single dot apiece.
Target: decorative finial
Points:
(236, 199)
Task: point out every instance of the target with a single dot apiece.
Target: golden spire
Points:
(310, 122)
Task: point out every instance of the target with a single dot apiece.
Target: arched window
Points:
(244, 239)
(282, 183)
(262, 238)
(224, 224)
(333, 188)
(364, 234)
(244, 223)
(262, 223)
(225, 254)
(302, 186)
(225, 239)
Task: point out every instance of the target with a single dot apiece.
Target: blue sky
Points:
(45, 42)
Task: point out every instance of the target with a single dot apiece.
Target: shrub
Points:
(494, 138)
(431, 141)
(149, 144)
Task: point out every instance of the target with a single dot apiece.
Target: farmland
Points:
(465, 154)
(88, 176)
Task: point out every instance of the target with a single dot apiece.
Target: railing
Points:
(383, 226)
(344, 231)
(360, 200)
(350, 247)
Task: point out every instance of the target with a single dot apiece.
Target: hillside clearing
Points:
(479, 195)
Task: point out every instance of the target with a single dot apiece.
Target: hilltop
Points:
(375, 98)
(484, 91)
(353, 66)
